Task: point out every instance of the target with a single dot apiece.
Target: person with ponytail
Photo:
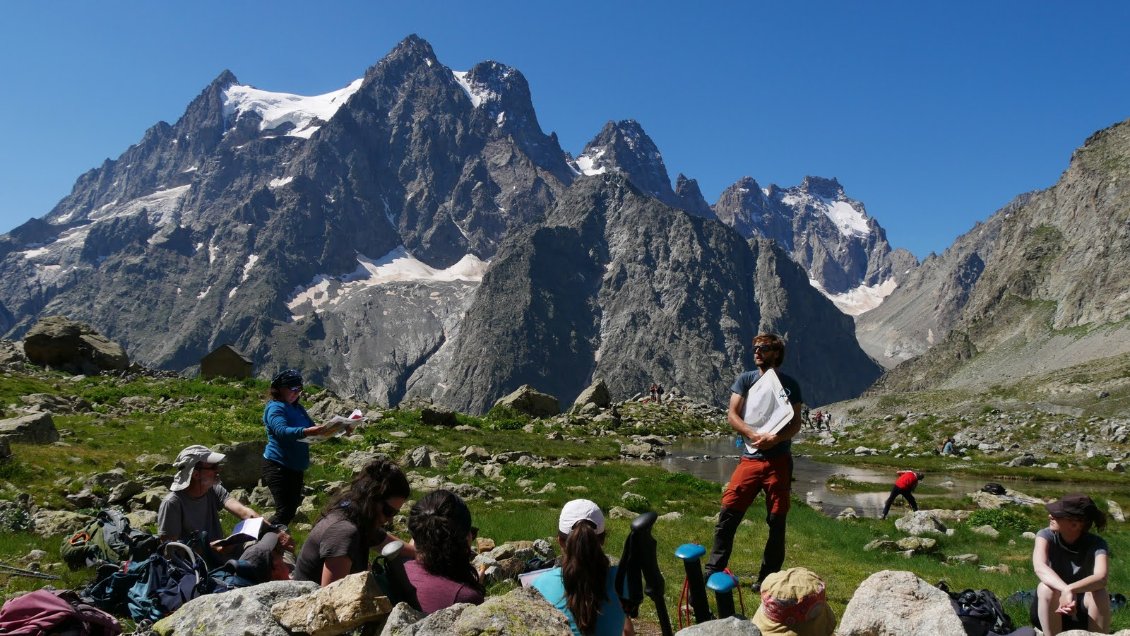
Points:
(442, 533)
(353, 523)
(584, 586)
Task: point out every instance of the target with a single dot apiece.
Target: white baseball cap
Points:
(580, 510)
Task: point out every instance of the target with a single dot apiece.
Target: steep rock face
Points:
(622, 287)
(929, 302)
(212, 229)
(823, 230)
(1039, 286)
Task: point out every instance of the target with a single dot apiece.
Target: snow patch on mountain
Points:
(280, 182)
(477, 92)
(860, 300)
(587, 164)
(307, 113)
(396, 266)
(849, 221)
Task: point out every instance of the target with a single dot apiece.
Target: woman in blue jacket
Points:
(287, 457)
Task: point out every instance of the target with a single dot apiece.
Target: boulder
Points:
(635, 501)
(419, 457)
(530, 401)
(61, 343)
(438, 417)
(50, 523)
(243, 465)
(596, 395)
(732, 626)
(48, 403)
(37, 428)
(239, 612)
(1115, 511)
(335, 609)
(402, 617)
(919, 523)
(521, 611)
(891, 603)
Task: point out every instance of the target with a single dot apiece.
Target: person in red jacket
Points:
(905, 484)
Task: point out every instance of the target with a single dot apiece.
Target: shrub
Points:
(1001, 520)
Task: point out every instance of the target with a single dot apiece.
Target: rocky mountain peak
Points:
(690, 198)
(624, 147)
(822, 187)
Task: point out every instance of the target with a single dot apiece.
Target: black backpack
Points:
(993, 488)
(981, 613)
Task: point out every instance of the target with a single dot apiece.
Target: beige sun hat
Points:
(793, 603)
(188, 459)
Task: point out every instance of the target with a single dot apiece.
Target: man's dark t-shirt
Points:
(742, 385)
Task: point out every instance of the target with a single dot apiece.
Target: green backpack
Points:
(109, 538)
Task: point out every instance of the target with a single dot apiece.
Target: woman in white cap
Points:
(1072, 565)
(583, 587)
(196, 496)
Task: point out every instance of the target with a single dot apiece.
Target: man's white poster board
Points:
(767, 407)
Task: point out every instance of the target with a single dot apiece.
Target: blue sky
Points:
(934, 115)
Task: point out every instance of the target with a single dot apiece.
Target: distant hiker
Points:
(659, 394)
(354, 522)
(194, 502)
(442, 573)
(1071, 564)
(905, 484)
(947, 447)
(818, 419)
(766, 464)
(286, 456)
(654, 392)
(794, 602)
(583, 587)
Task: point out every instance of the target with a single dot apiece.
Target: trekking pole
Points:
(693, 586)
(723, 584)
(639, 560)
(35, 574)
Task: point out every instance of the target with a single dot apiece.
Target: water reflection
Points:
(714, 459)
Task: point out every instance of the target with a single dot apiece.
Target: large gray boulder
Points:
(336, 608)
(61, 343)
(528, 400)
(891, 603)
(51, 523)
(732, 626)
(597, 394)
(240, 612)
(243, 465)
(521, 611)
(920, 522)
(37, 428)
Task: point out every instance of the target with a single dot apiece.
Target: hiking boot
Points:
(756, 587)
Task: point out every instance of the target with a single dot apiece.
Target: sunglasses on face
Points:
(388, 510)
(212, 467)
(761, 348)
(295, 389)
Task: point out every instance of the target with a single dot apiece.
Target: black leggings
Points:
(286, 489)
(895, 492)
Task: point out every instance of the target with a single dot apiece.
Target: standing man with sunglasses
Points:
(286, 456)
(195, 499)
(766, 465)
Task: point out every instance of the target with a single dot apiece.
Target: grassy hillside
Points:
(129, 422)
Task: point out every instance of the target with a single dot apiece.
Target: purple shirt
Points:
(437, 592)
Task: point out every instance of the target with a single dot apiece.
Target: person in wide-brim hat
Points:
(793, 603)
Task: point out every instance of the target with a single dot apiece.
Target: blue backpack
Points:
(168, 581)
